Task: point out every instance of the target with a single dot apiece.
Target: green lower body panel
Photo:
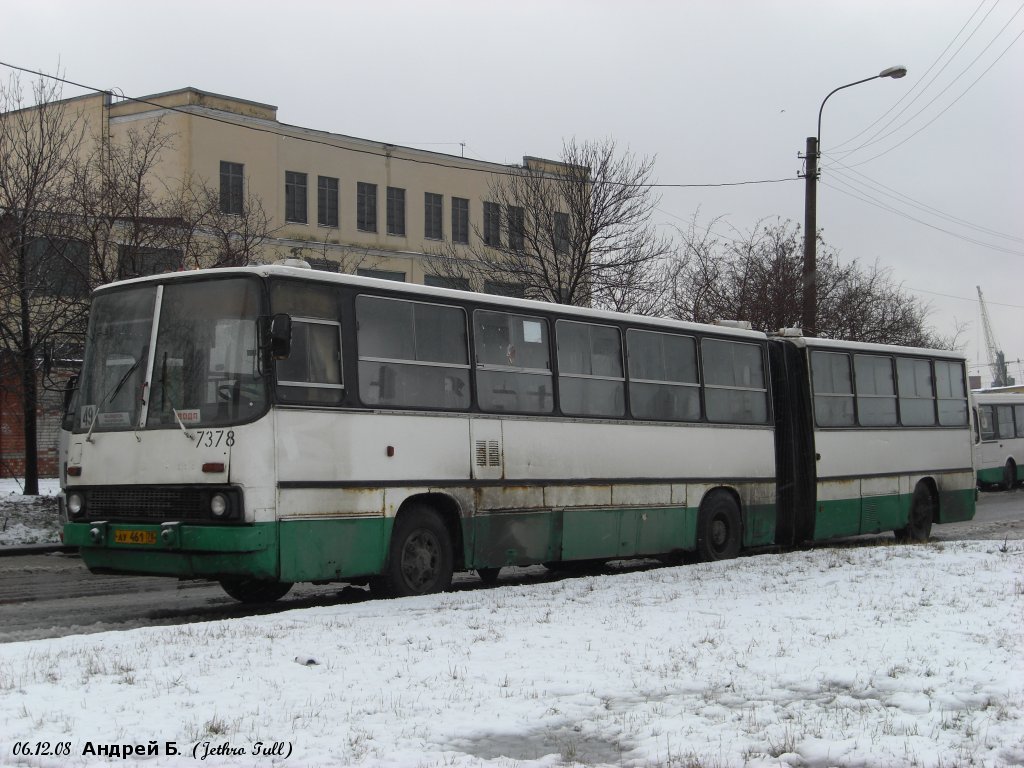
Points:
(512, 538)
(874, 514)
(525, 538)
(186, 551)
(836, 518)
(853, 517)
(759, 525)
(956, 506)
(994, 475)
(611, 533)
(332, 550)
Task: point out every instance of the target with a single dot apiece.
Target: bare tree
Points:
(119, 209)
(39, 141)
(757, 276)
(209, 236)
(577, 231)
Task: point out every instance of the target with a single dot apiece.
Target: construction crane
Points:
(996, 358)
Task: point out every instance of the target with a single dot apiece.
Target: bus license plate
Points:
(132, 536)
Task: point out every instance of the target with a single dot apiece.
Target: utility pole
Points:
(809, 307)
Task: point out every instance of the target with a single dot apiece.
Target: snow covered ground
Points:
(28, 519)
(870, 656)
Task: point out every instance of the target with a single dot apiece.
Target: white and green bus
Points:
(268, 425)
(999, 439)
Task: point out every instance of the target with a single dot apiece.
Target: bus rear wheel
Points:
(420, 556)
(922, 513)
(719, 532)
(255, 590)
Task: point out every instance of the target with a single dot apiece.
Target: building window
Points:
(516, 228)
(327, 201)
(443, 281)
(231, 188)
(561, 233)
(58, 267)
(322, 264)
(295, 197)
(396, 211)
(460, 220)
(382, 274)
(366, 207)
(492, 225)
(511, 290)
(138, 261)
(433, 209)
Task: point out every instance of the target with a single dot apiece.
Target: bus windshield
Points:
(203, 370)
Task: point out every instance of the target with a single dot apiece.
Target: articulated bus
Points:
(999, 439)
(261, 426)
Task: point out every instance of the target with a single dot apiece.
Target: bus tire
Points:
(1009, 475)
(255, 590)
(420, 557)
(719, 532)
(922, 514)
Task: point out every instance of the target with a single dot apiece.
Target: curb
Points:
(35, 549)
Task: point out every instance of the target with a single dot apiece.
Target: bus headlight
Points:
(219, 505)
(76, 504)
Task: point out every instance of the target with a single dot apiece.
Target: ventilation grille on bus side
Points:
(488, 453)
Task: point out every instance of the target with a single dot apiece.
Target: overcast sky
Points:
(717, 91)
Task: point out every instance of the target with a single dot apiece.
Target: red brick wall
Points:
(12, 432)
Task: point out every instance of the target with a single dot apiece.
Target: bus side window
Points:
(988, 431)
(312, 372)
(513, 369)
(411, 353)
(1004, 421)
(833, 389)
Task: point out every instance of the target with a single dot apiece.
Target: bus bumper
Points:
(175, 549)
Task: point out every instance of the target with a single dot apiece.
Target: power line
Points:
(870, 201)
(310, 140)
(948, 106)
(965, 298)
(919, 81)
(882, 189)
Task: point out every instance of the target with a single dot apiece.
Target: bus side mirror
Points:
(280, 336)
(69, 391)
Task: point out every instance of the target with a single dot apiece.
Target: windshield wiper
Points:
(113, 393)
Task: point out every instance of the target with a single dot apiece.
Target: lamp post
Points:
(809, 312)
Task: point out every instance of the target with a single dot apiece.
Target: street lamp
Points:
(810, 270)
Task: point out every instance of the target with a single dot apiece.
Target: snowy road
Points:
(54, 595)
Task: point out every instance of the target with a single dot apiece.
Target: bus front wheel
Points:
(255, 590)
(719, 533)
(922, 513)
(420, 556)
(1009, 475)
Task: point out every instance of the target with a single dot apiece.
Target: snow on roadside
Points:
(29, 519)
(882, 656)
